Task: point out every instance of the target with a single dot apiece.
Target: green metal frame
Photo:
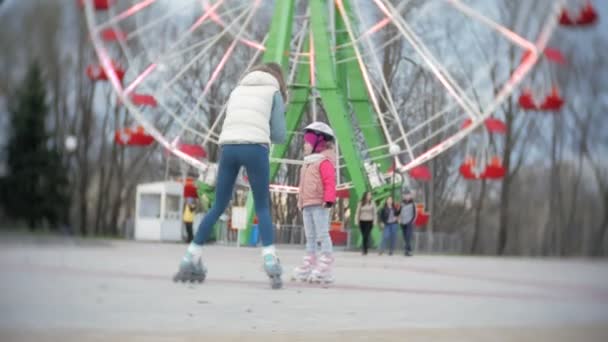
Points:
(354, 84)
(277, 50)
(342, 89)
(334, 100)
(206, 194)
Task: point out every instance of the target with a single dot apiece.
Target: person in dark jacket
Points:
(407, 217)
(389, 216)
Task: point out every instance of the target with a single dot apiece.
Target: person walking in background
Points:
(365, 218)
(389, 215)
(188, 218)
(407, 217)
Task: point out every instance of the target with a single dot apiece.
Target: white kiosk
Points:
(159, 211)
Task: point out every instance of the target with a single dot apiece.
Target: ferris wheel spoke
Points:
(364, 72)
(389, 100)
(183, 124)
(376, 27)
(170, 52)
(140, 30)
(435, 132)
(509, 34)
(107, 64)
(125, 14)
(207, 43)
(217, 121)
(170, 93)
(140, 78)
(186, 124)
(208, 85)
(450, 107)
(437, 68)
(376, 50)
(442, 75)
(244, 37)
(421, 142)
(208, 12)
(506, 89)
(299, 39)
(202, 53)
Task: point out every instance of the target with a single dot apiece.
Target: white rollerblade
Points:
(322, 272)
(303, 272)
(191, 269)
(273, 269)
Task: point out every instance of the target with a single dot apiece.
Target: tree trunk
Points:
(506, 182)
(85, 138)
(602, 231)
(476, 245)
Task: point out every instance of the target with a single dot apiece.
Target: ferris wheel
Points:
(406, 74)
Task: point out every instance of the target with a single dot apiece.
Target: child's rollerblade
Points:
(322, 273)
(302, 272)
(191, 269)
(273, 269)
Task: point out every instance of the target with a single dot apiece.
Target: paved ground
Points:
(53, 289)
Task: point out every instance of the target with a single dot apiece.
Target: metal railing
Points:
(423, 242)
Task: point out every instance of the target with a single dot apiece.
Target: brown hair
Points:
(275, 70)
(364, 200)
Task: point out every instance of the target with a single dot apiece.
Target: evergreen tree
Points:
(35, 185)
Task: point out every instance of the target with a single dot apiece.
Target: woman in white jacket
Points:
(255, 118)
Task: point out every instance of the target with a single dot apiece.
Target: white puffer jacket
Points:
(249, 109)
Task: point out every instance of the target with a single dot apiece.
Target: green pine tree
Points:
(34, 188)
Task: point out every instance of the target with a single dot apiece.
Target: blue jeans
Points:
(316, 229)
(389, 234)
(408, 231)
(255, 159)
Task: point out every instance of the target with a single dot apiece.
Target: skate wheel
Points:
(178, 277)
(296, 279)
(189, 278)
(276, 282)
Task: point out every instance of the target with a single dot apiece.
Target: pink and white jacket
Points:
(318, 179)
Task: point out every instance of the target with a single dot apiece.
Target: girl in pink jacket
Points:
(317, 196)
